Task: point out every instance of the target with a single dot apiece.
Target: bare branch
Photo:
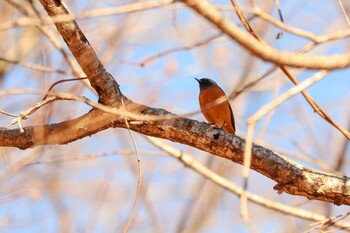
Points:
(35, 66)
(291, 177)
(344, 12)
(189, 162)
(263, 51)
(129, 8)
(104, 84)
(296, 31)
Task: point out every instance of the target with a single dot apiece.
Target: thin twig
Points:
(35, 66)
(280, 34)
(291, 92)
(24, 115)
(243, 20)
(7, 113)
(297, 31)
(129, 8)
(344, 12)
(61, 81)
(327, 222)
(67, 96)
(75, 157)
(245, 174)
(205, 42)
(139, 181)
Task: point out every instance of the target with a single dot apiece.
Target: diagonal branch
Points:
(263, 51)
(190, 163)
(104, 84)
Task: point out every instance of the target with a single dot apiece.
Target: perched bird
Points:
(215, 106)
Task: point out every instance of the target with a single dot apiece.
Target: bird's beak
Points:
(197, 80)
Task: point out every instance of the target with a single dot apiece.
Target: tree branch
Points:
(189, 162)
(263, 51)
(104, 84)
(291, 177)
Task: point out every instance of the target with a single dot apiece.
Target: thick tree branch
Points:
(291, 177)
(104, 84)
(263, 51)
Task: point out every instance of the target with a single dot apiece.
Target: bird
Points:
(215, 106)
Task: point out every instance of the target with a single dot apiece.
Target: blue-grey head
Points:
(205, 83)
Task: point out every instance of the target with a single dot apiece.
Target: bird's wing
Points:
(232, 116)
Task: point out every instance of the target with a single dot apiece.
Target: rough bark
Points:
(291, 177)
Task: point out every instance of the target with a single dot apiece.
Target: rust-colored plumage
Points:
(215, 106)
